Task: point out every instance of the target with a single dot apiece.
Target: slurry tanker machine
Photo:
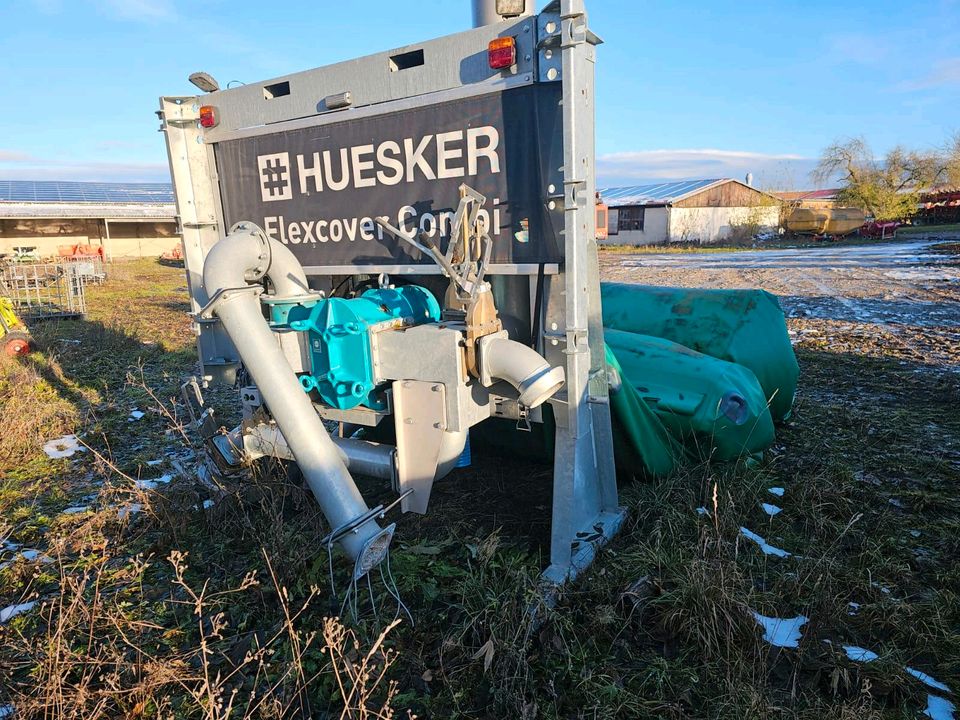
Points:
(407, 239)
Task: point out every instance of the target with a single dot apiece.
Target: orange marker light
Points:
(502, 53)
(208, 116)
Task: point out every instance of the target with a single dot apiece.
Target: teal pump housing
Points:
(339, 330)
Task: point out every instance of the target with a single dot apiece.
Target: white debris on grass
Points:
(702, 511)
(781, 632)
(771, 509)
(64, 447)
(859, 654)
(76, 509)
(767, 548)
(938, 708)
(778, 491)
(135, 414)
(854, 608)
(927, 680)
(11, 611)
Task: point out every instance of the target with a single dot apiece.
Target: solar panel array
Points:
(656, 194)
(55, 191)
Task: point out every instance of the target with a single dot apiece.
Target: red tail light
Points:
(502, 53)
(208, 116)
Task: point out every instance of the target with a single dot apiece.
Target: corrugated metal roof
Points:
(55, 191)
(656, 194)
(89, 210)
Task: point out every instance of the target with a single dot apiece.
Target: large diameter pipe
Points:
(244, 256)
(485, 11)
(522, 367)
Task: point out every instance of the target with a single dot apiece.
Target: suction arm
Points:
(244, 257)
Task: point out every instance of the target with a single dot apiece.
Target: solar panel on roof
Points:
(54, 191)
(657, 193)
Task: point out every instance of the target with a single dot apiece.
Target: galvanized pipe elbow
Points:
(522, 367)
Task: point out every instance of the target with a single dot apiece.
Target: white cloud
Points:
(944, 72)
(33, 169)
(775, 171)
(140, 10)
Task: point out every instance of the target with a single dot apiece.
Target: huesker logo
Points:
(275, 176)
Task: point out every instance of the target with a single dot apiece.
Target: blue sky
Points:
(695, 89)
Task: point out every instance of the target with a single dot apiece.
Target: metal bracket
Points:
(206, 312)
(420, 417)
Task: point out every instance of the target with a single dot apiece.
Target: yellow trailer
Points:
(825, 221)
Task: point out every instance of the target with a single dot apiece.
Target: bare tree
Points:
(888, 189)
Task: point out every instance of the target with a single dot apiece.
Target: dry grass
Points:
(188, 611)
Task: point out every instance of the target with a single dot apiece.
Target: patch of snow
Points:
(915, 533)
(129, 510)
(702, 511)
(781, 632)
(11, 611)
(7, 711)
(927, 680)
(152, 484)
(135, 414)
(859, 654)
(767, 548)
(854, 608)
(938, 708)
(778, 491)
(923, 274)
(154, 463)
(35, 555)
(770, 509)
(64, 447)
(207, 504)
(76, 509)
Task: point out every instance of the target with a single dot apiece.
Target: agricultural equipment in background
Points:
(406, 240)
(14, 336)
(44, 290)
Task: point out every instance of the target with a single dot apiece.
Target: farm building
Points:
(703, 211)
(811, 199)
(117, 219)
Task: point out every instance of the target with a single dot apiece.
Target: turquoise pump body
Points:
(339, 331)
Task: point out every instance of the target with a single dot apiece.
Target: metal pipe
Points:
(360, 456)
(485, 11)
(522, 367)
(243, 257)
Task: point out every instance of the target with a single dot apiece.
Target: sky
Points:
(684, 90)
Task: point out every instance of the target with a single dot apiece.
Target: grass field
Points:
(162, 593)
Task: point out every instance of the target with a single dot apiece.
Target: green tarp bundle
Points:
(717, 409)
(745, 327)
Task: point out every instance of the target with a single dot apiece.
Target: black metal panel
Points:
(318, 189)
